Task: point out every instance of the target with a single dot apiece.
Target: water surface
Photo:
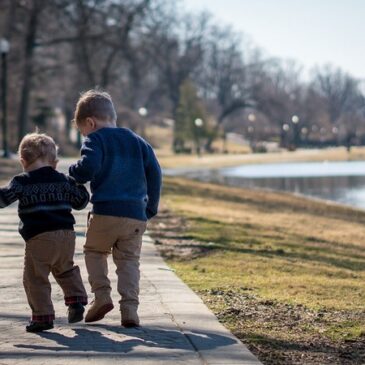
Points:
(343, 182)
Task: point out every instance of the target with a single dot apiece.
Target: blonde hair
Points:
(36, 146)
(95, 103)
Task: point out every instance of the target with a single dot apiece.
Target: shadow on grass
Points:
(236, 238)
(282, 254)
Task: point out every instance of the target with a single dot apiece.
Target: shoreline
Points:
(328, 202)
(169, 160)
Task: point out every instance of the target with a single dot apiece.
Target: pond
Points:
(343, 182)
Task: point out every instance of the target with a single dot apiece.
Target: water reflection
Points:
(344, 183)
(343, 189)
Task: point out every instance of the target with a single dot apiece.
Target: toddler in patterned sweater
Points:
(46, 198)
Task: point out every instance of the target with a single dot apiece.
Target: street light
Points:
(251, 117)
(250, 136)
(335, 131)
(4, 49)
(284, 135)
(295, 119)
(143, 112)
(198, 124)
(296, 134)
(286, 127)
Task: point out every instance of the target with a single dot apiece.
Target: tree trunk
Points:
(28, 68)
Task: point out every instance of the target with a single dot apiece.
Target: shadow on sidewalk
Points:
(167, 338)
(98, 339)
(84, 340)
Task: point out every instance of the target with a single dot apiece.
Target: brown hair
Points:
(36, 146)
(95, 103)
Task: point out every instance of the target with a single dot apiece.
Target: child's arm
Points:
(154, 181)
(90, 163)
(79, 195)
(9, 194)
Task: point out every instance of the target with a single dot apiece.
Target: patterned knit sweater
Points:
(46, 198)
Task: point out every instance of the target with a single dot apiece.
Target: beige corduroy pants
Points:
(45, 253)
(121, 237)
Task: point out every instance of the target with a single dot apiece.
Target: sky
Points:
(313, 32)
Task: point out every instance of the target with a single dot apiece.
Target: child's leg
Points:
(126, 254)
(39, 254)
(100, 237)
(64, 271)
(97, 268)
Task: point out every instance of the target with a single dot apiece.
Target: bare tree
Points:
(143, 51)
(342, 97)
(98, 40)
(176, 47)
(225, 76)
(277, 93)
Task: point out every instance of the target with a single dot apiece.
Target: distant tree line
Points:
(153, 56)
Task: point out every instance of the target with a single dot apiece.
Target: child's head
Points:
(38, 148)
(94, 110)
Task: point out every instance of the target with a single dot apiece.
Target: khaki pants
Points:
(51, 252)
(123, 238)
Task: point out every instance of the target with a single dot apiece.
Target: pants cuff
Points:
(43, 318)
(76, 299)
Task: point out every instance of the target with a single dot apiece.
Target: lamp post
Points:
(143, 112)
(251, 129)
(295, 121)
(4, 49)
(335, 132)
(304, 133)
(198, 124)
(284, 135)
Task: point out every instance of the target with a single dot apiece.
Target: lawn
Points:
(286, 274)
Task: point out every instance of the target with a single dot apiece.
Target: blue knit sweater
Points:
(124, 174)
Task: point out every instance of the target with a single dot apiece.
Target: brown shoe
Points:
(129, 317)
(99, 308)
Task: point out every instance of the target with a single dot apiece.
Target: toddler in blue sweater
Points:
(125, 182)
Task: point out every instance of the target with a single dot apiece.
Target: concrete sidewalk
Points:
(177, 328)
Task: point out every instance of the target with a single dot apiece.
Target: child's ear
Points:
(23, 163)
(54, 164)
(91, 122)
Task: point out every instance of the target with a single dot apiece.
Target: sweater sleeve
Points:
(90, 163)
(10, 193)
(154, 181)
(79, 195)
